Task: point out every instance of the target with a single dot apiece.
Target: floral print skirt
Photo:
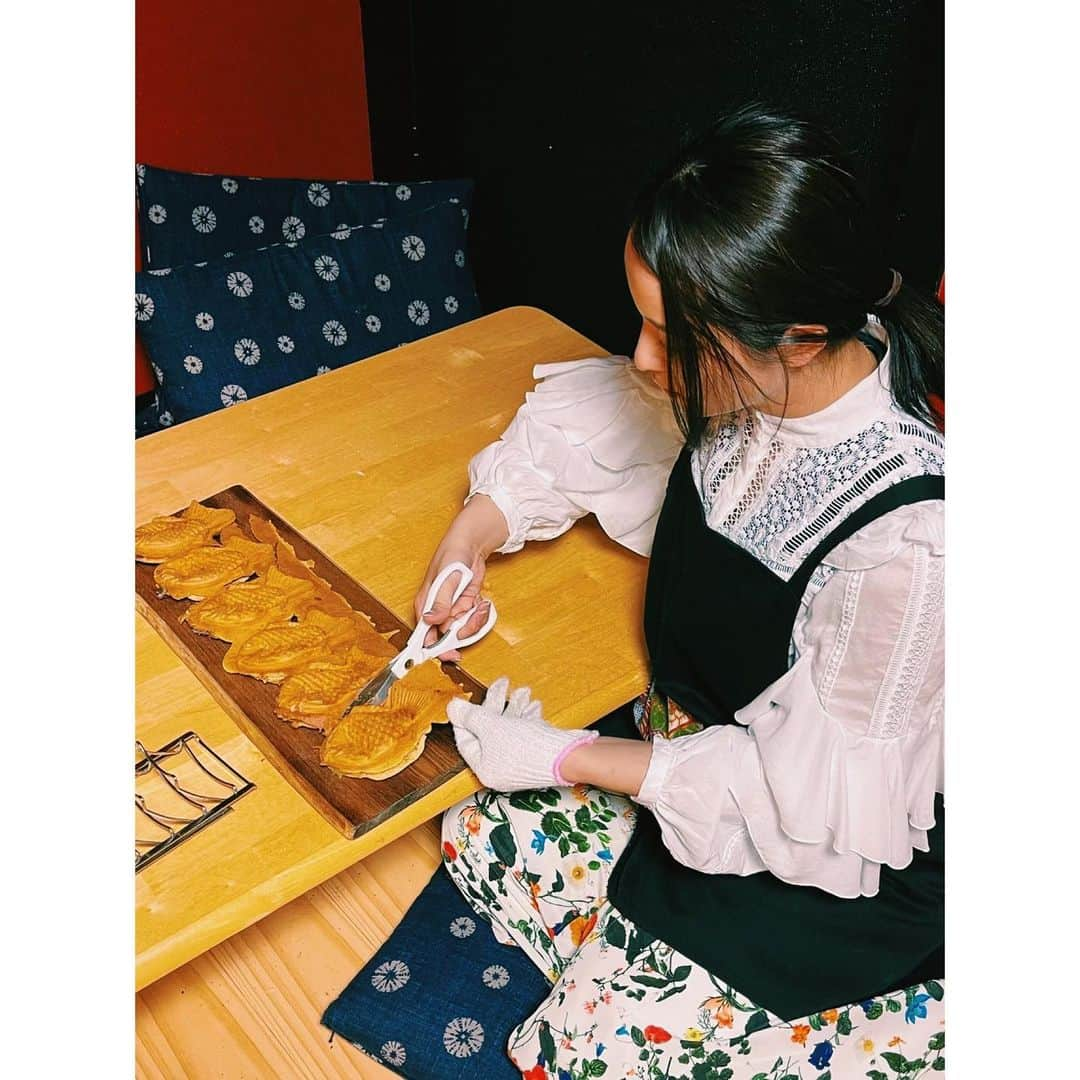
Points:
(535, 864)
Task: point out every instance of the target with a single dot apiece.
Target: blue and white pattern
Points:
(463, 927)
(413, 247)
(264, 319)
(463, 1036)
(390, 976)
(247, 351)
(191, 217)
(334, 332)
(239, 284)
(293, 229)
(451, 1018)
(203, 219)
(393, 1053)
(496, 977)
(326, 266)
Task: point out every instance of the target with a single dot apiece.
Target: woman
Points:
(776, 907)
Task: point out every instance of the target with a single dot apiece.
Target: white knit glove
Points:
(509, 745)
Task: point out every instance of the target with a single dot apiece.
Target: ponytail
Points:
(916, 328)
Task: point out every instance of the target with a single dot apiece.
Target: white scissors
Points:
(415, 652)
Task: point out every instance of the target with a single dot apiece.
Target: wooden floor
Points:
(249, 1009)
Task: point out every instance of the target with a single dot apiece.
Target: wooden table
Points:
(369, 462)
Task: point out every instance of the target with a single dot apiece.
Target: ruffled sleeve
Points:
(594, 436)
(833, 773)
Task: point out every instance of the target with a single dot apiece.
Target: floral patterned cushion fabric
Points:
(440, 998)
(221, 332)
(192, 217)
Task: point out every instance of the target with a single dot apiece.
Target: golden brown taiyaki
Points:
(374, 742)
(317, 696)
(246, 606)
(165, 537)
(206, 570)
(274, 652)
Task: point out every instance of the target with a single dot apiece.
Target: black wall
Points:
(560, 111)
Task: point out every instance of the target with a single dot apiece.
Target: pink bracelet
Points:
(556, 769)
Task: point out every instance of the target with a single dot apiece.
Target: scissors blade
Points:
(376, 689)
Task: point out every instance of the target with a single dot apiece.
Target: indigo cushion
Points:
(440, 998)
(148, 410)
(236, 327)
(194, 217)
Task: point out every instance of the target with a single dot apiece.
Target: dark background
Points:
(560, 111)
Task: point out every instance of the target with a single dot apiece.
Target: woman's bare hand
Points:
(477, 531)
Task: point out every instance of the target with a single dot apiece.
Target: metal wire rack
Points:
(180, 789)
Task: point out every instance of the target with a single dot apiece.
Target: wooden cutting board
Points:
(353, 806)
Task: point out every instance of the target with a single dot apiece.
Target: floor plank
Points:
(250, 1007)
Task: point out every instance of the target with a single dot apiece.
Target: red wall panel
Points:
(253, 87)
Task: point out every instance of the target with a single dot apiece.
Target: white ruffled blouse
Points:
(830, 772)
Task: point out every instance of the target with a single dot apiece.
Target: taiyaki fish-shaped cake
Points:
(246, 606)
(317, 696)
(164, 537)
(432, 681)
(274, 652)
(206, 570)
(373, 742)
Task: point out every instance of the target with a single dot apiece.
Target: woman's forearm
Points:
(481, 523)
(616, 765)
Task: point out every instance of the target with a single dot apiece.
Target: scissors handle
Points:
(450, 639)
(415, 652)
(437, 584)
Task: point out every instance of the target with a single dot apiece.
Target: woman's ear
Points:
(799, 353)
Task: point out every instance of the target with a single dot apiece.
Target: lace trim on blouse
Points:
(780, 501)
(913, 649)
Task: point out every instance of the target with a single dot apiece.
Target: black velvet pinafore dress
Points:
(792, 949)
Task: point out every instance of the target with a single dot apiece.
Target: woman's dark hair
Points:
(757, 226)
